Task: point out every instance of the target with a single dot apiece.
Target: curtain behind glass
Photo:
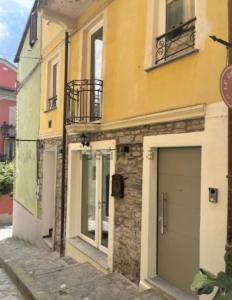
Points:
(174, 14)
(178, 12)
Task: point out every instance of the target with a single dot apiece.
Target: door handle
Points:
(163, 223)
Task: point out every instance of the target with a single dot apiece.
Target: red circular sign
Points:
(226, 86)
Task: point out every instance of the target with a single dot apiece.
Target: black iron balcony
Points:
(52, 103)
(84, 99)
(176, 42)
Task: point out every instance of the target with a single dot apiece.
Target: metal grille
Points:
(84, 98)
(176, 42)
(52, 103)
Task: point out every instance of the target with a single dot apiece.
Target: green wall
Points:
(28, 101)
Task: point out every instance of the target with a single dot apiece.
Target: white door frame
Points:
(53, 150)
(74, 191)
(213, 143)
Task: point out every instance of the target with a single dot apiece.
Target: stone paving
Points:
(5, 232)
(8, 290)
(43, 275)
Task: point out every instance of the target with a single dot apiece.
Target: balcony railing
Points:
(52, 103)
(84, 99)
(176, 42)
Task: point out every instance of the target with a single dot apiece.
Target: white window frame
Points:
(51, 61)
(98, 211)
(85, 53)
(156, 26)
(74, 193)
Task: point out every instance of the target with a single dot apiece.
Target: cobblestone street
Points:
(8, 290)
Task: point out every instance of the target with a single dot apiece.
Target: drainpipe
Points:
(63, 181)
(229, 220)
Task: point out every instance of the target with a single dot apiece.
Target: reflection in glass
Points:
(105, 199)
(88, 207)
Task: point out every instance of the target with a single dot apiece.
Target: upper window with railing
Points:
(53, 83)
(179, 36)
(84, 96)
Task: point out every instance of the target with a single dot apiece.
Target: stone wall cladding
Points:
(127, 242)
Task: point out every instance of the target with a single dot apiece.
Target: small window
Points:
(33, 28)
(179, 35)
(54, 80)
(53, 68)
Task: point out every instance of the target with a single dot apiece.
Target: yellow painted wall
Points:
(52, 45)
(130, 91)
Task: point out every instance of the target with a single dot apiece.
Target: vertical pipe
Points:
(62, 234)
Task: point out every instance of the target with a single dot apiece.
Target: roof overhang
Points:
(63, 12)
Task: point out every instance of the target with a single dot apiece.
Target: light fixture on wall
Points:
(85, 140)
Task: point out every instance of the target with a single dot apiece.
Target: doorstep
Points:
(87, 253)
(48, 242)
(172, 292)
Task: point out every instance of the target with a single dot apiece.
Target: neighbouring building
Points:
(146, 163)
(8, 75)
(26, 223)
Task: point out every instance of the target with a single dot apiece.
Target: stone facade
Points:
(127, 242)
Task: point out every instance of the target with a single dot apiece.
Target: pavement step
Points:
(43, 275)
(151, 295)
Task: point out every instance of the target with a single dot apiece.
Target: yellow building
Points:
(143, 104)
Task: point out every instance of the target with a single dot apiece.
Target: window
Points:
(33, 28)
(178, 12)
(96, 58)
(178, 36)
(95, 195)
(53, 80)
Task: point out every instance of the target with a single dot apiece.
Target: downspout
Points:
(229, 219)
(63, 179)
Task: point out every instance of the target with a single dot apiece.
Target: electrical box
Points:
(117, 186)
(213, 195)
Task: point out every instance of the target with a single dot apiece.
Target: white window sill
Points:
(93, 253)
(158, 65)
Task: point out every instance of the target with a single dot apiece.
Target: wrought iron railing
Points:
(84, 99)
(52, 103)
(176, 42)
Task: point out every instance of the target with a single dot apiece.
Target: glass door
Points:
(105, 195)
(95, 199)
(88, 198)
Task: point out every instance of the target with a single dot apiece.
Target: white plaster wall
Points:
(22, 220)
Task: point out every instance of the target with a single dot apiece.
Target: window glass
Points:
(54, 75)
(88, 196)
(178, 12)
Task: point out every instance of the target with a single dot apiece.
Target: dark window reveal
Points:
(33, 28)
(54, 87)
